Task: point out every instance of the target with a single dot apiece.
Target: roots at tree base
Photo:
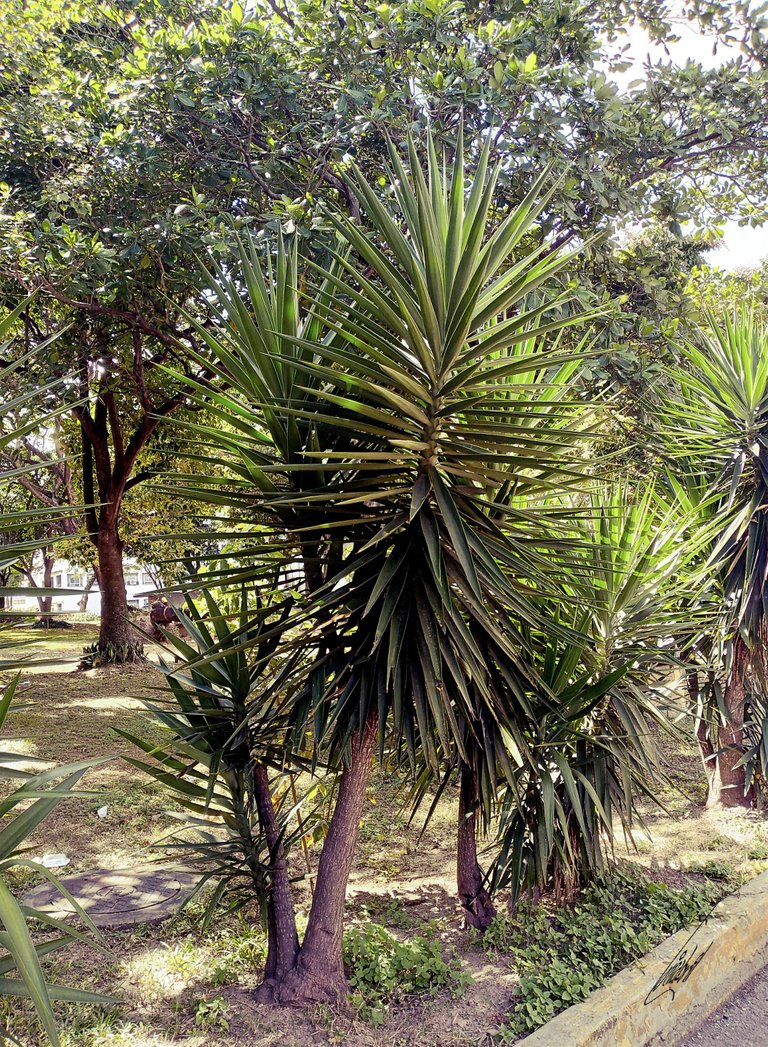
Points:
(112, 654)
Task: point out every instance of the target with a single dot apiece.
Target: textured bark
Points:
(475, 900)
(115, 627)
(318, 974)
(283, 940)
(726, 781)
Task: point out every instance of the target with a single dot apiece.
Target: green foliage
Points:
(224, 730)
(212, 1014)
(238, 952)
(367, 437)
(717, 429)
(249, 112)
(714, 869)
(562, 957)
(382, 968)
(599, 657)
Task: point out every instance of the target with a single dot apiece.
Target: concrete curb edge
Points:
(666, 994)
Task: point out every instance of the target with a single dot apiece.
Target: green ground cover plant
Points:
(382, 968)
(564, 955)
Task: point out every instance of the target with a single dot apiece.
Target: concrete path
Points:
(742, 1021)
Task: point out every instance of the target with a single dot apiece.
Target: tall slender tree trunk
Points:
(478, 908)
(82, 604)
(318, 974)
(46, 602)
(283, 939)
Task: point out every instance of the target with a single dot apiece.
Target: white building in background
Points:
(139, 585)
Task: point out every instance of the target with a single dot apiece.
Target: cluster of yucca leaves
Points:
(23, 809)
(717, 430)
(224, 725)
(603, 703)
(404, 420)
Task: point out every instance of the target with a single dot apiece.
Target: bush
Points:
(382, 968)
(563, 956)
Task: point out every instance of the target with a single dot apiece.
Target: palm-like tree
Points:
(717, 425)
(226, 740)
(601, 659)
(390, 434)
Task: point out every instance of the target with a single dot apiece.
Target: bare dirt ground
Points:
(164, 978)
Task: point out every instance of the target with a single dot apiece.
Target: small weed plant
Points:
(714, 869)
(563, 956)
(238, 952)
(382, 968)
(211, 1014)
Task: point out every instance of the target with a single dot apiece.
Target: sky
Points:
(742, 245)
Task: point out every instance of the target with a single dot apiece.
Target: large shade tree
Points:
(131, 134)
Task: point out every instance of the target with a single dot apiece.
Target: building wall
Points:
(138, 584)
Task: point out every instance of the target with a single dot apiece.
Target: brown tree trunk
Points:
(82, 604)
(283, 939)
(115, 627)
(108, 461)
(706, 748)
(475, 900)
(45, 603)
(318, 974)
(727, 781)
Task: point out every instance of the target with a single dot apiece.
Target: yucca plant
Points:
(601, 707)
(224, 758)
(377, 426)
(717, 425)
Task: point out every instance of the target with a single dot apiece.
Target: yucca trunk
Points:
(475, 900)
(283, 939)
(726, 779)
(318, 973)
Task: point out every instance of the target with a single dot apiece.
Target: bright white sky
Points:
(743, 245)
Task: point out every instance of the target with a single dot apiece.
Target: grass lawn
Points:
(176, 985)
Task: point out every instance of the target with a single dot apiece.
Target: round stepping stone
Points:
(117, 897)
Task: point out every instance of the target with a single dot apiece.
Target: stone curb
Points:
(663, 996)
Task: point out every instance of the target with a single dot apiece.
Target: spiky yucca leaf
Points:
(378, 428)
(595, 744)
(717, 425)
(223, 722)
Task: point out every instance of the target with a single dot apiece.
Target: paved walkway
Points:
(742, 1021)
